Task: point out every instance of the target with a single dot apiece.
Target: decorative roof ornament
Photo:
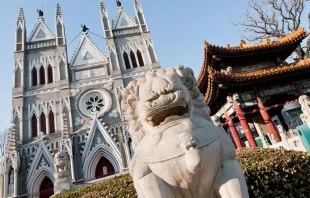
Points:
(84, 28)
(65, 132)
(58, 10)
(102, 6)
(21, 16)
(40, 12)
(119, 4)
(11, 142)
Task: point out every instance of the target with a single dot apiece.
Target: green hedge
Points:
(276, 172)
(269, 173)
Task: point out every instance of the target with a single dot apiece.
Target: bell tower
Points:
(129, 41)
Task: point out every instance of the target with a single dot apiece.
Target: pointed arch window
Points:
(42, 75)
(126, 60)
(49, 74)
(133, 59)
(34, 77)
(140, 59)
(51, 122)
(34, 126)
(43, 123)
(17, 77)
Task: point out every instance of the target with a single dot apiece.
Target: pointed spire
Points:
(136, 2)
(65, 132)
(11, 142)
(58, 10)
(21, 16)
(102, 6)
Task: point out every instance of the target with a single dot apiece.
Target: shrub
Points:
(268, 172)
(275, 172)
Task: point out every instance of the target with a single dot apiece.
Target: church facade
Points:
(72, 105)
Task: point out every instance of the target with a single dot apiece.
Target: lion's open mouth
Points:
(168, 115)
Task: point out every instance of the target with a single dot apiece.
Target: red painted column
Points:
(233, 130)
(268, 120)
(244, 124)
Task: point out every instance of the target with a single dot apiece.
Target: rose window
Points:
(95, 101)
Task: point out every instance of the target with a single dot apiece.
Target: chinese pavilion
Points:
(253, 90)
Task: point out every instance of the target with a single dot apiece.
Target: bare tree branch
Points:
(274, 19)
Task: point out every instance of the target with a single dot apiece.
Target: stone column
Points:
(121, 146)
(72, 166)
(47, 124)
(233, 130)
(21, 130)
(244, 124)
(15, 182)
(22, 78)
(38, 125)
(45, 75)
(55, 121)
(1, 184)
(38, 77)
(6, 183)
(29, 128)
(268, 120)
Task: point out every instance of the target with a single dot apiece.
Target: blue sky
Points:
(178, 27)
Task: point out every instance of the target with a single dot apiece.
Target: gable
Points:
(40, 33)
(98, 135)
(124, 21)
(87, 53)
(42, 159)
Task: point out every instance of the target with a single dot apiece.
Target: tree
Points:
(275, 19)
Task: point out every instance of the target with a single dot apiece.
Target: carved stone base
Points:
(62, 186)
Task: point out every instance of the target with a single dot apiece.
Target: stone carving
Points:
(78, 121)
(75, 92)
(179, 152)
(113, 114)
(63, 181)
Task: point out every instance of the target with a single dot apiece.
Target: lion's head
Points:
(160, 98)
(61, 159)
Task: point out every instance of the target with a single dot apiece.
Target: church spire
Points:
(105, 20)
(21, 16)
(58, 10)
(11, 142)
(140, 16)
(20, 34)
(60, 28)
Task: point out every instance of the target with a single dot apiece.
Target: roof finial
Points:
(21, 16)
(40, 12)
(102, 6)
(119, 4)
(58, 10)
(84, 28)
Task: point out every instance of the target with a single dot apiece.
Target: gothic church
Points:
(72, 105)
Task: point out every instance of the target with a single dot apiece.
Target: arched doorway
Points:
(46, 188)
(104, 168)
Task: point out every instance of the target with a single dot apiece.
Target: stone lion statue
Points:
(179, 152)
(62, 172)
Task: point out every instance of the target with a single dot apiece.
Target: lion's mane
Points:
(131, 98)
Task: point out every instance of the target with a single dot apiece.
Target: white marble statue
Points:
(304, 101)
(63, 180)
(179, 152)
